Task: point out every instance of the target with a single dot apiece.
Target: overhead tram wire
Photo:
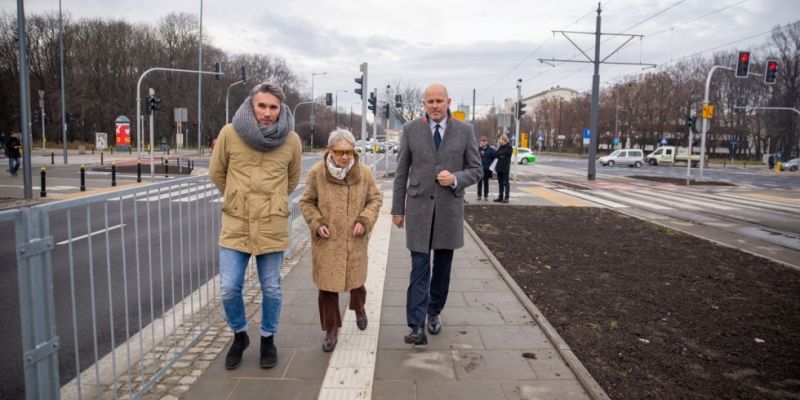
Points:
(528, 57)
(650, 35)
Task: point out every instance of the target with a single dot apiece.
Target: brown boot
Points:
(331, 337)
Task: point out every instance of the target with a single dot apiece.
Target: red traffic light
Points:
(744, 57)
(772, 72)
(743, 64)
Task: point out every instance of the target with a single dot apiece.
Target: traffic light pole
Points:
(139, 133)
(375, 114)
(364, 103)
(705, 120)
(517, 118)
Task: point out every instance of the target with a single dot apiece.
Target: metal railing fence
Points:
(115, 287)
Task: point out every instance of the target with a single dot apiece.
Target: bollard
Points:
(166, 167)
(43, 192)
(180, 167)
(92, 150)
(130, 150)
(101, 157)
(52, 158)
(139, 171)
(113, 173)
(112, 150)
(83, 178)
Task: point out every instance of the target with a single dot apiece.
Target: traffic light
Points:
(743, 64)
(328, 99)
(398, 100)
(772, 72)
(519, 109)
(372, 102)
(218, 70)
(153, 103)
(244, 74)
(67, 117)
(37, 117)
(386, 111)
(360, 82)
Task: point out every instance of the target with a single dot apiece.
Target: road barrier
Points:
(113, 173)
(133, 287)
(43, 191)
(83, 178)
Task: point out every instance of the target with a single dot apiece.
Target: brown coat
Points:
(256, 185)
(339, 263)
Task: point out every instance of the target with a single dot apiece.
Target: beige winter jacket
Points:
(256, 185)
(339, 263)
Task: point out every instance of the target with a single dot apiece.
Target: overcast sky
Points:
(465, 44)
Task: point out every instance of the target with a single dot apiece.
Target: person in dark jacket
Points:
(12, 149)
(503, 168)
(487, 156)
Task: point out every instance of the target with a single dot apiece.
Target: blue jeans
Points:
(13, 165)
(232, 267)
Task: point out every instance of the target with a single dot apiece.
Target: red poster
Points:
(123, 135)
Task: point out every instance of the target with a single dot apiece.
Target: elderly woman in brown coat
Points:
(340, 205)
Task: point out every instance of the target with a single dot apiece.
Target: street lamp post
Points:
(336, 108)
(313, 125)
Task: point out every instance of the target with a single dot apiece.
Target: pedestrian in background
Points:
(340, 205)
(438, 159)
(256, 163)
(487, 153)
(13, 151)
(503, 169)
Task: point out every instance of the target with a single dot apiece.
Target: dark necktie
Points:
(437, 137)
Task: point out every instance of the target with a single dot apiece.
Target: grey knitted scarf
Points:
(262, 137)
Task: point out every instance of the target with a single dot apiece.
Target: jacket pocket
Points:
(233, 204)
(279, 205)
(413, 187)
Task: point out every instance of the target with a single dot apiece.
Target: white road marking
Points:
(593, 199)
(75, 239)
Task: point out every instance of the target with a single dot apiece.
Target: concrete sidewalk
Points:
(491, 345)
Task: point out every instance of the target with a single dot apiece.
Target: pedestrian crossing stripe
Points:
(629, 200)
(558, 198)
(687, 199)
(593, 199)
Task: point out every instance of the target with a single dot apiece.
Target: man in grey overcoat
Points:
(437, 160)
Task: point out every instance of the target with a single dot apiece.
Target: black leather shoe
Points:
(234, 356)
(504, 201)
(416, 336)
(497, 200)
(434, 325)
(269, 353)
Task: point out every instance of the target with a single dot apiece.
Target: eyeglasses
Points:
(339, 153)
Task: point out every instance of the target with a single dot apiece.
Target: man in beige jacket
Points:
(256, 163)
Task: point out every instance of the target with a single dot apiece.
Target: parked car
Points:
(790, 165)
(629, 157)
(525, 156)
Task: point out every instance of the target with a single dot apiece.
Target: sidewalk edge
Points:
(588, 382)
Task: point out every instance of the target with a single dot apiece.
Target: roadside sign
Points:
(587, 134)
(540, 138)
(459, 115)
(708, 111)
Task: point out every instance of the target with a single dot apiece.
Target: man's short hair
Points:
(269, 87)
(484, 138)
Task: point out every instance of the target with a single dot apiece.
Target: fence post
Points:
(113, 173)
(166, 167)
(139, 171)
(40, 343)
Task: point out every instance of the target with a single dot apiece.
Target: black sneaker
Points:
(234, 356)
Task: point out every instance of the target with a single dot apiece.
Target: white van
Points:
(629, 157)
